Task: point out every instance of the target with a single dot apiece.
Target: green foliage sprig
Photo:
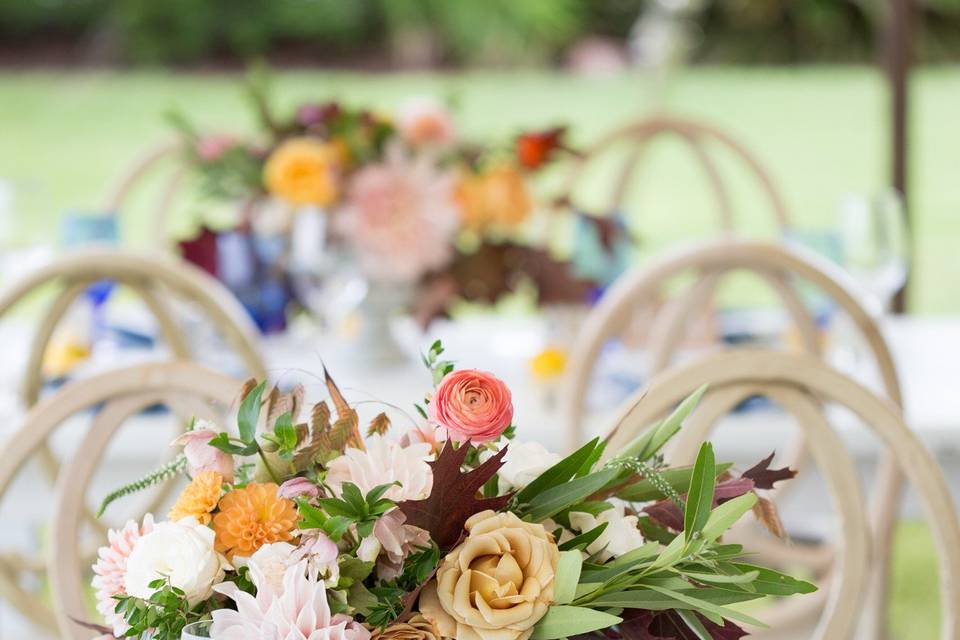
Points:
(162, 474)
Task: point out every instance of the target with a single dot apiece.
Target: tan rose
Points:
(497, 584)
(416, 628)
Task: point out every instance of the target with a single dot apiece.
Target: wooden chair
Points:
(801, 385)
(150, 165)
(114, 397)
(783, 269)
(155, 279)
(701, 138)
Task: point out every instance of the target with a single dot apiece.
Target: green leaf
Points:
(355, 568)
(337, 507)
(584, 540)
(310, 516)
(562, 621)
(679, 478)
(691, 620)
(360, 598)
(285, 434)
(723, 517)
(336, 526)
(700, 497)
(222, 441)
(377, 492)
(774, 583)
(656, 598)
(352, 495)
(249, 413)
(556, 499)
(567, 577)
(558, 473)
(706, 607)
(670, 555)
(648, 443)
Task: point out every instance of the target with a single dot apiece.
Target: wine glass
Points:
(876, 245)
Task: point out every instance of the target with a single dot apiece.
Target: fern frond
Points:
(161, 474)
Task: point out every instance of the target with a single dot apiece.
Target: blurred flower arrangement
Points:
(400, 195)
(303, 528)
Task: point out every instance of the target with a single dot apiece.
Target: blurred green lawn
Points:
(66, 136)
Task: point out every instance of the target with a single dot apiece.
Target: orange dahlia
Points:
(497, 196)
(252, 517)
(199, 498)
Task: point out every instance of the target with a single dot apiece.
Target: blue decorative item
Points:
(602, 248)
(85, 228)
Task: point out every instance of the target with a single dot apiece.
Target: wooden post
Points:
(898, 45)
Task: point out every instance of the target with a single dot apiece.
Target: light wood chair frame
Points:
(800, 384)
(152, 277)
(777, 265)
(117, 395)
(699, 136)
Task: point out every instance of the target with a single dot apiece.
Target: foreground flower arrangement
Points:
(297, 529)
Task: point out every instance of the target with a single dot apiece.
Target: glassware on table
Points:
(876, 245)
(197, 631)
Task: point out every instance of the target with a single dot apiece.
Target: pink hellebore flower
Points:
(397, 540)
(201, 456)
(298, 488)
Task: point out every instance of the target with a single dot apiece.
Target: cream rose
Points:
(180, 551)
(497, 584)
(621, 535)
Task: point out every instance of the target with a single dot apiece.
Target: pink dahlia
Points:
(297, 611)
(111, 570)
(400, 217)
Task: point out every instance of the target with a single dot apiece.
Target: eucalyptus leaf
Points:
(567, 577)
(647, 444)
(562, 621)
(700, 497)
(558, 473)
(723, 517)
(556, 499)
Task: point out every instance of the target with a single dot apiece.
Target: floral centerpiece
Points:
(299, 527)
(399, 194)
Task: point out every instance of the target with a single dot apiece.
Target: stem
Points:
(266, 466)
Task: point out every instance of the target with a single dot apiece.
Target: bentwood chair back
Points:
(158, 281)
(703, 140)
(112, 398)
(785, 270)
(152, 165)
(804, 387)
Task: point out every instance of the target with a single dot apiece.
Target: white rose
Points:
(523, 463)
(621, 535)
(180, 551)
(271, 562)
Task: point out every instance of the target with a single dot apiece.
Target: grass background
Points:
(822, 133)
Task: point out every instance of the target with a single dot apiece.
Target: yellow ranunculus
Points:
(303, 171)
(497, 584)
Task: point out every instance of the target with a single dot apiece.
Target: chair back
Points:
(155, 279)
(113, 398)
(708, 262)
(702, 139)
(803, 386)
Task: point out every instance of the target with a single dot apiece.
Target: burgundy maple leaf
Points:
(764, 477)
(454, 495)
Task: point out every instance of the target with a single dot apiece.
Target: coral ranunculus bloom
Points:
(472, 405)
(252, 517)
(303, 171)
(199, 498)
(497, 196)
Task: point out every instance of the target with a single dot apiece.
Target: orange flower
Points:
(199, 498)
(537, 148)
(252, 517)
(497, 196)
(303, 171)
